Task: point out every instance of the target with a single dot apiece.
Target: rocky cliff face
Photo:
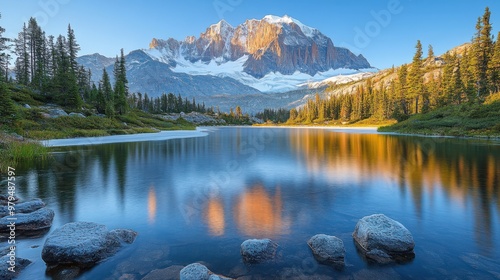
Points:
(272, 44)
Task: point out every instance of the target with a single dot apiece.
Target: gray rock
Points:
(78, 115)
(258, 250)
(379, 256)
(57, 112)
(169, 273)
(40, 219)
(378, 232)
(4, 250)
(24, 207)
(124, 235)
(4, 199)
(83, 244)
(27, 106)
(20, 264)
(195, 271)
(327, 249)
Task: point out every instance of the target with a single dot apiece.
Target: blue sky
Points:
(384, 31)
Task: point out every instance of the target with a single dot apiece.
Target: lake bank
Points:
(139, 137)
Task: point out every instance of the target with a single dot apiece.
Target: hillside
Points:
(478, 120)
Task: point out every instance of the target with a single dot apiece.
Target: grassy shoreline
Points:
(465, 120)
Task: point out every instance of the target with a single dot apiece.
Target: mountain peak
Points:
(286, 19)
(221, 27)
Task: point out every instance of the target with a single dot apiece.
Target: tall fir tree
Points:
(108, 94)
(482, 48)
(22, 64)
(73, 49)
(416, 77)
(494, 66)
(4, 56)
(121, 85)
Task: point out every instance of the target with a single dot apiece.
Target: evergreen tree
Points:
(494, 66)
(482, 47)
(415, 77)
(107, 92)
(22, 64)
(430, 52)
(4, 56)
(73, 49)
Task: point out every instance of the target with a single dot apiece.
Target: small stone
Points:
(258, 250)
(327, 249)
(195, 271)
(169, 273)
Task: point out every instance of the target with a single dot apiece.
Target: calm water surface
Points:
(196, 200)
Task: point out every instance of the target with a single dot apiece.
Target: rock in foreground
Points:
(327, 249)
(20, 264)
(83, 244)
(258, 250)
(29, 223)
(196, 271)
(23, 207)
(380, 237)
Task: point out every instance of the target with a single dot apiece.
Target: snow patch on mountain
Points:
(308, 31)
(270, 83)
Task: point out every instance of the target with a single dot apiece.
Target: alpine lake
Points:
(197, 199)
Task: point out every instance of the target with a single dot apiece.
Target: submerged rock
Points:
(197, 271)
(258, 250)
(83, 244)
(327, 249)
(20, 264)
(379, 237)
(169, 273)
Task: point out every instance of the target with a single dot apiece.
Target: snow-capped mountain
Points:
(273, 54)
(270, 55)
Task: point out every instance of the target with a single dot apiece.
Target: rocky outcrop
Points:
(195, 118)
(78, 115)
(83, 244)
(258, 250)
(327, 249)
(196, 271)
(383, 239)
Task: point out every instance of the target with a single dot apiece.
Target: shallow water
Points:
(196, 200)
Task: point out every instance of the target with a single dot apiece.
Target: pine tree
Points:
(415, 77)
(73, 49)
(494, 67)
(457, 84)
(400, 106)
(482, 48)
(430, 52)
(4, 56)
(22, 65)
(107, 92)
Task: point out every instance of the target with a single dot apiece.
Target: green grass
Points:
(34, 126)
(478, 120)
(13, 152)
